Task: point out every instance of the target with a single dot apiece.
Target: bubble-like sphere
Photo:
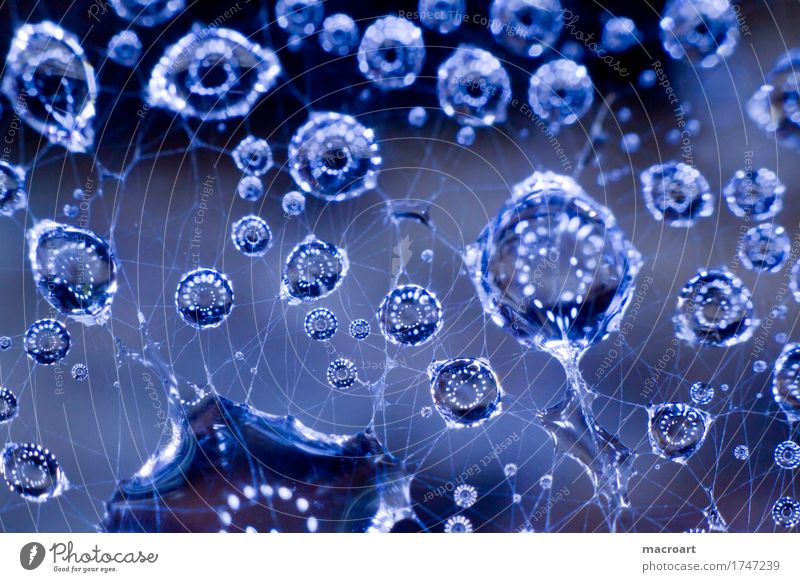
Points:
(32, 472)
(553, 267)
(12, 189)
(74, 269)
(473, 87)
(442, 16)
(702, 31)
(204, 298)
(293, 203)
(741, 452)
(466, 391)
(465, 495)
(321, 324)
(342, 374)
(48, 67)
(759, 366)
(391, 53)
(786, 512)
(253, 156)
(334, 157)
(620, 34)
(359, 329)
(47, 341)
(417, 117)
(775, 107)
(9, 407)
(676, 193)
(250, 188)
(213, 74)
(787, 455)
(546, 482)
(526, 27)
(757, 195)
(147, 12)
(510, 469)
(5, 343)
(339, 35)
(251, 235)
(561, 92)
(676, 430)
(125, 48)
(299, 17)
(313, 270)
(701, 393)
(458, 524)
(80, 372)
(765, 247)
(715, 309)
(410, 315)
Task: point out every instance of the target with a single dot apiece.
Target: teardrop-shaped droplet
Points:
(52, 85)
(32, 472)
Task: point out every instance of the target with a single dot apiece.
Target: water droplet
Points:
(148, 12)
(13, 196)
(510, 469)
(466, 391)
(74, 269)
(757, 195)
(787, 455)
(204, 298)
(342, 374)
(321, 324)
(524, 27)
(465, 496)
(774, 106)
(47, 341)
(125, 48)
(473, 87)
(359, 329)
(391, 53)
(9, 407)
(253, 156)
(701, 393)
(765, 247)
(741, 452)
(47, 65)
(250, 188)
(410, 315)
(213, 74)
(252, 236)
(630, 143)
(647, 79)
(293, 203)
(677, 430)
(786, 512)
(458, 524)
(702, 31)
(32, 472)
(714, 308)
(759, 366)
(417, 117)
(339, 35)
(442, 16)
(546, 481)
(299, 17)
(426, 412)
(314, 269)
(465, 136)
(5, 343)
(676, 193)
(561, 92)
(80, 372)
(620, 34)
(334, 157)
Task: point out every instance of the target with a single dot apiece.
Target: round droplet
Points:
(473, 87)
(293, 203)
(465, 495)
(426, 412)
(334, 157)
(676, 193)
(787, 455)
(391, 53)
(9, 408)
(702, 31)
(759, 366)
(251, 235)
(458, 524)
(620, 34)
(774, 106)
(410, 315)
(676, 430)
(299, 17)
(342, 374)
(554, 268)
(714, 308)
(250, 188)
(757, 195)
(786, 512)
(320, 324)
(466, 392)
(465, 136)
(12, 189)
(80, 372)
(147, 12)
(765, 247)
(526, 27)
(741, 452)
(417, 117)
(359, 329)
(204, 298)
(510, 469)
(47, 341)
(339, 35)
(314, 269)
(74, 270)
(125, 48)
(442, 16)
(5, 343)
(701, 393)
(561, 92)
(427, 255)
(32, 472)
(546, 482)
(253, 156)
